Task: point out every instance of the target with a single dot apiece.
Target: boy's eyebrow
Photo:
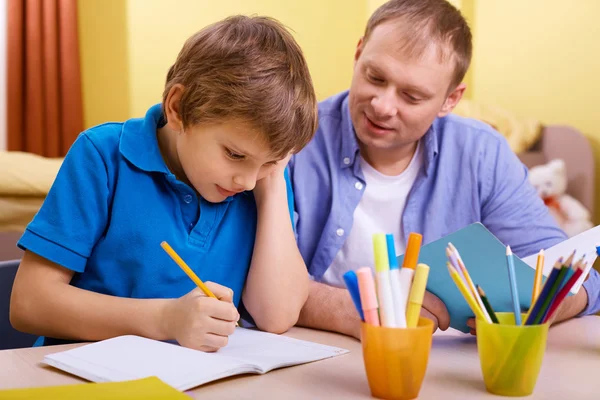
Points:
(236, 149)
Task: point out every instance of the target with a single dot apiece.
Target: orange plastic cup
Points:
(396, 359)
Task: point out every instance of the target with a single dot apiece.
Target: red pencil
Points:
(564, 291)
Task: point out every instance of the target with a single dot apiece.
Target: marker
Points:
(399, 305)
(411, 257)
(417, 292)
(382, 277)
(352, 285)
(368, 298)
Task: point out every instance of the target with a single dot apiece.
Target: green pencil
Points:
(487, 305)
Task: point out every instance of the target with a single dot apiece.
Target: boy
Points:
(204, 171)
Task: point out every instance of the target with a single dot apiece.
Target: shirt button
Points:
(346, 160)
(358, 186)
(340, 232)
(191, 225)
(187, 198)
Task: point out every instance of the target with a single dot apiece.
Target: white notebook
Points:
(132, 357)
(585, 244)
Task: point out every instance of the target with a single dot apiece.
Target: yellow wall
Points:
(540, 59)
(537, 58)
(128, 45)
(104, 61)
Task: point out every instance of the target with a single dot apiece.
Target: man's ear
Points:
(359, 49)
(452, 100)
(172, 107)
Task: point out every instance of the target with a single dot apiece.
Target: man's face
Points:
(395, 97)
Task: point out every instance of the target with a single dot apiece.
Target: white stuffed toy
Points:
(550, 181)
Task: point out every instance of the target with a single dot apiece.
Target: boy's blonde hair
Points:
(249, 69)
(423, 22)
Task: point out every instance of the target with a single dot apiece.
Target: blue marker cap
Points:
(352, 285)
(598, 249)
(391, 251)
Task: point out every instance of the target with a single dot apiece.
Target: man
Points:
(389, 157)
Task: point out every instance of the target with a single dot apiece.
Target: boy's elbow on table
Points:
(274, 323)
(20, 315)
(276, 317)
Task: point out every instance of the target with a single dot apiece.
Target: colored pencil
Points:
(466, 293)
(469, 282)
(535, 307)
(487, 305)
(513, 285)
(537, 282)
(564, 291)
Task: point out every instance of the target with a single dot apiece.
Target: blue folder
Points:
(485, 258)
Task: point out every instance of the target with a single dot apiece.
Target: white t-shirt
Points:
(379, 211)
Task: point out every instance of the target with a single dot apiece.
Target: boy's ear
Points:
(172, 107)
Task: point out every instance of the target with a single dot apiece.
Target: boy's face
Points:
(222, 159)
(394, 98)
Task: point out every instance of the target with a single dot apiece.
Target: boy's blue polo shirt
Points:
(114, 201)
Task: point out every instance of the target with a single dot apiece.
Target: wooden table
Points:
(571, 370)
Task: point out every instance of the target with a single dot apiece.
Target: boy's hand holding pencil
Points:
(204, 318)
(201, 322)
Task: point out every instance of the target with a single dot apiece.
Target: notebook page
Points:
(133, 357)
(584, 243)
(268, 351)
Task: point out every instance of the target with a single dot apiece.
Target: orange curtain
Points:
(44, 114)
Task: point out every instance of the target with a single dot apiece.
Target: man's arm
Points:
(331, 309)
(514, 212)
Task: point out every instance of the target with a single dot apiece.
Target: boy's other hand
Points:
(201, 322)
(274, 178)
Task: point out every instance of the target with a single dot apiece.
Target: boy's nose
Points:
(244, 183)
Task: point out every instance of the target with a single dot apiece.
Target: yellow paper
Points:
(143, 389)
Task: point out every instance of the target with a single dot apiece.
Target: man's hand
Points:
(434, 309)
(570, 307)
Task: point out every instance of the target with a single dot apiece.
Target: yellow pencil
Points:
(466, 293)
(471, 285)
(166, 247)
(179, 261)
(537, 283)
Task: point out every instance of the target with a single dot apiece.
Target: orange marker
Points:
(411, 257)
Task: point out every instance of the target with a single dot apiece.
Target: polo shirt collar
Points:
(139, 144)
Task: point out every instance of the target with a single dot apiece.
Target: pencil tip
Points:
(542, 252)
(508, 251)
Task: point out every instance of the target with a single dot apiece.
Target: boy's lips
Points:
(225, 192)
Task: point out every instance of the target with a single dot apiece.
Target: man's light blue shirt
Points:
(469, 175)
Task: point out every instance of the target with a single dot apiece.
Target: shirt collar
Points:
(430, 140)
(350, 144)
(139, 143)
